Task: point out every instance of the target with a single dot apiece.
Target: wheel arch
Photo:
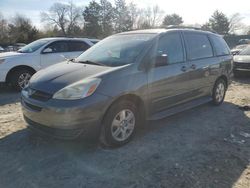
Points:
(223, 77)
(129, 97)
(19, 67)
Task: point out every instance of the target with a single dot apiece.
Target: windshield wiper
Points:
(92, 63)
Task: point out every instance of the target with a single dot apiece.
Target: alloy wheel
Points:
(23, 80)
(219, 92)
(123, 125)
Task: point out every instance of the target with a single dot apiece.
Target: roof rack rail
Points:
(72, 37)
(61, 36)
(189, 27)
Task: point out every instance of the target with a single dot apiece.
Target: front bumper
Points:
(3, 74)
(66, 134)
(242, 66)
(65, 119)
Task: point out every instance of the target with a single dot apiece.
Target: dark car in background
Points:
(111, 88)
(242, 61)
(244, 41)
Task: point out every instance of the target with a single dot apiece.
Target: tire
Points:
(113, 124)
(17, 76)
(219, 92)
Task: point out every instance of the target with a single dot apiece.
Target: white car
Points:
(1, 49)
(16, 68)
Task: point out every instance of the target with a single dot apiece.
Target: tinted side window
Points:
(197, 46)
(55, 47)
(77, 46)
(171, 45)
(220, 45)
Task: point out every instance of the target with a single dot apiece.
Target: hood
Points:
(58, 76)
(242, 58)
(10, 54)
(235, 50)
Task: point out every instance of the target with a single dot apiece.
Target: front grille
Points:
(242, 65)
(39, 95)
(42, 96)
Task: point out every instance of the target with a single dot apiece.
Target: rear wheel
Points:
(219, 92)
(119, 124)
(20, 78)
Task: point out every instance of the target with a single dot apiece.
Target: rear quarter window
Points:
(197, 46)
(220, 46)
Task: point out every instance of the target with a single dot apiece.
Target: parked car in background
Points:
(94, 41)
(1, 49)
(242, 61)
(244, 41)
(16, 68)
(10, 49)
(15, 47)
(108, 90)
(236, 50)
(18, 46)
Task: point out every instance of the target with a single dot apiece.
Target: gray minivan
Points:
(127, 78)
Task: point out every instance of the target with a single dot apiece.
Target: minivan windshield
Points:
(245, 51)
(116, 50)
(33, 46)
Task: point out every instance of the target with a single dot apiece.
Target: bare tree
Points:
(74, 18)
(56, 16)
(3, 30)
(149, 17)
(248, 33)
(122, 18)
(235, 23)
(246, 30)
(64, 16)
(134, 14)
(157, 15)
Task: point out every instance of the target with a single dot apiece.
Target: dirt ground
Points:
(204, 147)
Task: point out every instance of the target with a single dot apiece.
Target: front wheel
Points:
(119, 124)
(219, 92)
(20, 78)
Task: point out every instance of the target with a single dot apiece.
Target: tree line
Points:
(102, 18)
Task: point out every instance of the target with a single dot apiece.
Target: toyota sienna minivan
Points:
(127, 78)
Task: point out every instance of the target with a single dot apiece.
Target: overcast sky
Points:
(192, 11)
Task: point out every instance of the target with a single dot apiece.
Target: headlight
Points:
(78, 90)
(2, 61)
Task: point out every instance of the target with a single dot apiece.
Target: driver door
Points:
(53, 53)
(169, 85)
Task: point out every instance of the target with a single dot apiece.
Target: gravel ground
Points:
(204, 147)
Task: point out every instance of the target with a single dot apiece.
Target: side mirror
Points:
(47, 50)
(161, 60)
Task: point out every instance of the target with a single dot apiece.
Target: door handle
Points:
(193, 66)
(183, 68)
